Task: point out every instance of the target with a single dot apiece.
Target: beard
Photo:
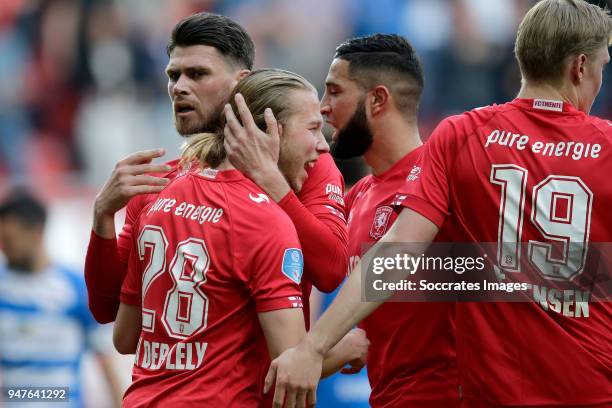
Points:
(355, 138)
(208, 124)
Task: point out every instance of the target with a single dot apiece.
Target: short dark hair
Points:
(387, 59)
(217, 31)
(23, 206)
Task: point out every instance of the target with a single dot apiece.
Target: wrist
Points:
(103, 224)
(272, 181)
(100, 210)
(315, 345)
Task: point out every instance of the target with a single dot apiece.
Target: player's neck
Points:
(39, 262)
(546, 91)
(391, 143)
(225, 165)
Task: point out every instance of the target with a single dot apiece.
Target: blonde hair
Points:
(261, 89)
(554, 30)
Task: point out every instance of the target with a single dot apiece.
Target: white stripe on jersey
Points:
(39, 337)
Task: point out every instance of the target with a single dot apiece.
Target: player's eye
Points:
(197, 74)
(173, 76)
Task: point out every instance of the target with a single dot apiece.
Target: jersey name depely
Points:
(211, 252)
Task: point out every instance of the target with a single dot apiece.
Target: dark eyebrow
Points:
(331, 83)
(198, 68)
(192, 68)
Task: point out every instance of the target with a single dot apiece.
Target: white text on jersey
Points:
(180, 356)
(197, 213)
(570, 302)
(575, 150)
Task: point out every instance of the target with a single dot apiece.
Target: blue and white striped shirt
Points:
(44, 327)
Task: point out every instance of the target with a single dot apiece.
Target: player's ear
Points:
(577, 68)
(242, 73)
(280, 130)
(378, 99)
(238, 76)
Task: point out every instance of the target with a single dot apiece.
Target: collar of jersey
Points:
(222, 175)
(410, 157)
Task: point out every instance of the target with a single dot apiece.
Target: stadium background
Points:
(82, 82)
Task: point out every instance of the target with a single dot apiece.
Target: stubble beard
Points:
(205, 125)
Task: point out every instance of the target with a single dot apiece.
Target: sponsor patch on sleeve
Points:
(293, 264)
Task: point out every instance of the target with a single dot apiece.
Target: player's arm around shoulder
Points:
(319, 216)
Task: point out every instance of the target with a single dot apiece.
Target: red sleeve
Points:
(106, 260)
(103, 276)
(274, 265)
(319, 218)
(106, 265)
(428, 192)
(131, 288)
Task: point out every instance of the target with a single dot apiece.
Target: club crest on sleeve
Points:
(381, 219)
(293, 264)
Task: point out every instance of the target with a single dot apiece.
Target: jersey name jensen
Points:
(197, 213)
(575, 150)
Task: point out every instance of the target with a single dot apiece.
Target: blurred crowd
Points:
(82, 81)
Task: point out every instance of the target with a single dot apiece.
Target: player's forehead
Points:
(305, 106)
(338, 74)
(203, 56)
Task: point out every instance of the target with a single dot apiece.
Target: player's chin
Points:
(298, 182)
(187, 126)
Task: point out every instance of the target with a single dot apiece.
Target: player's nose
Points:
(321, 144)
(325, 106)
(180, 86)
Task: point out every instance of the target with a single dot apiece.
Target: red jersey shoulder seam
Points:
(496, 109)
(593, 122)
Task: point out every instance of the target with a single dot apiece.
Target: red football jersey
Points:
(210, 253)
(525, 175)
(322, 195)
(411, 358)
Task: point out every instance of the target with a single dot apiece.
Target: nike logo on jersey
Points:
(259, 198)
